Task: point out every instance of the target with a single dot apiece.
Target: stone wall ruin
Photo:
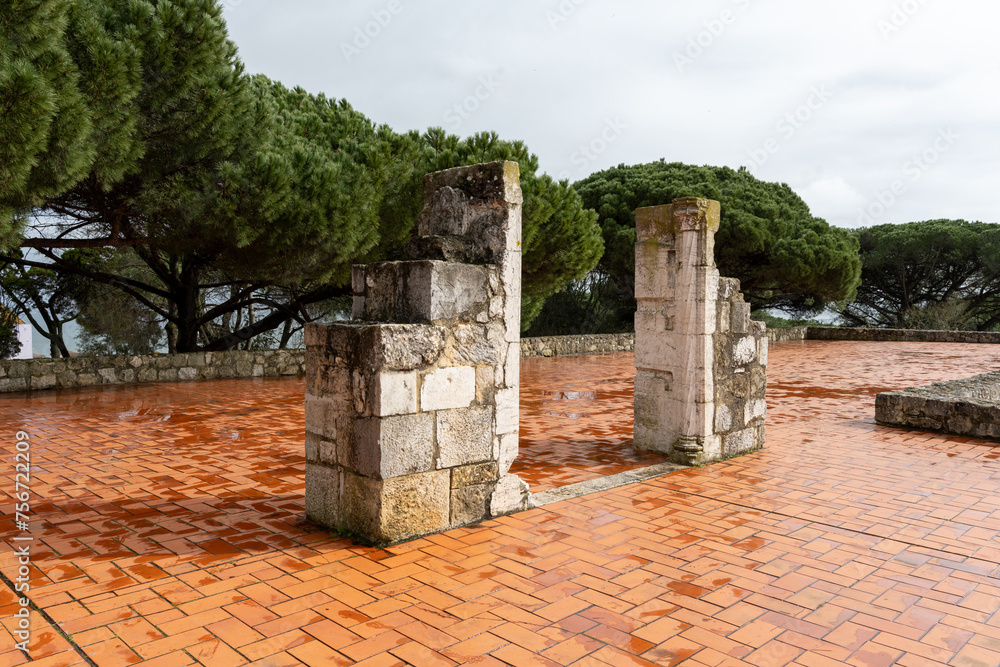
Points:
(412, 408)
(700, 360)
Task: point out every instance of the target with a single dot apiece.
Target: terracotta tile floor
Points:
(169, 529)
(576, 420)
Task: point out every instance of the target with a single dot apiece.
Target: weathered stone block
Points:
(393, 510)
(655, 273)
(448, 388)
(745, 351)
(740, 442)
(470, 345)
(655, 225)
(394, 393)
(470, 504)
(755, 410)
(464, 437)
(390, 447)
(13, 384)
(740, 323)
(511, 495)
(507, 450)
(723, 419)
(323, 491)
(321, 416)
(473, 475)
(508, 411)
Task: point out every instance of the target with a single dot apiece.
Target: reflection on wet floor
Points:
(576, 420)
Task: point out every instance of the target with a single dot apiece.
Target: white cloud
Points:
(560, 86)
(832, 198)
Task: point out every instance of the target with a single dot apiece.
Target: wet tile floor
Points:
(169, 530)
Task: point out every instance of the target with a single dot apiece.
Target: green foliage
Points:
(10, 343)
(938, 274)
(589, 306)
(44, 125)
(47, 299)
(777, 322)
(782, 255)
(219, 183)
(245, 201)
(111, 321)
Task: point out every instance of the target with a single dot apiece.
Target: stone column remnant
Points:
(412, 408)
(700, 360)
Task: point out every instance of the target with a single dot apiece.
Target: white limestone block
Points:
(394, 394)
(512, 366)
(507, 449)
(512, 319)
(755, 410)
(448, 388)
(696, 317)
(511, 495)
(508, 411)
(745, 351)
(321, 417)
(697, 283)
(723, 419)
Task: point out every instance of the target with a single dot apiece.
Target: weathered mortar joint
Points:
(700, 360)
(412, 410)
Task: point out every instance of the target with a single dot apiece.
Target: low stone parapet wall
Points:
(902, 335)
(37, 374)
(561, 346)
(785, 335)
(969, 407)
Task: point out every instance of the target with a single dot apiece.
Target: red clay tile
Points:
(841, 538)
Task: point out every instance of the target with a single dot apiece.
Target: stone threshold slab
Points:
(579, 489)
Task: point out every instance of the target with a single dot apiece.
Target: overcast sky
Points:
(845, 101)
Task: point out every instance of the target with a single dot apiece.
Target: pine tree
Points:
(783, 255)
(45, 125)
(238, 193)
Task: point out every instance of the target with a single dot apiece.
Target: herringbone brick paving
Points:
(170, 531)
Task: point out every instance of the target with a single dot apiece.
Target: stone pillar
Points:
(412, 408)
(699, 387)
